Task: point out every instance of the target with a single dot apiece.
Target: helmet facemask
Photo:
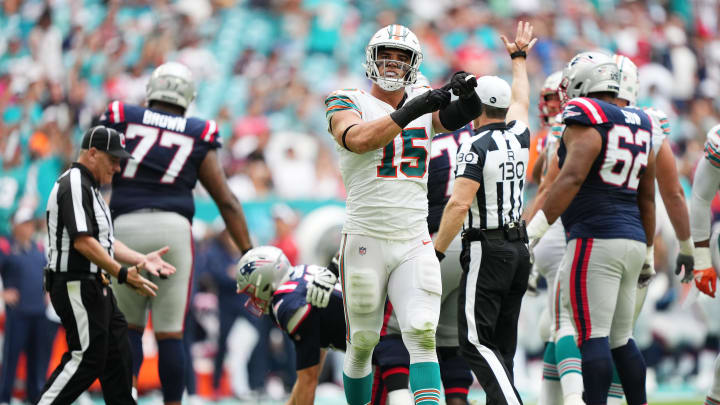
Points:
(260, 272)
(384, 71)
(550, 103)
(395, 37)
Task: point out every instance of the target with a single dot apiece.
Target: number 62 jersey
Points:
(606, 205)
(167, 152)
(386, 188)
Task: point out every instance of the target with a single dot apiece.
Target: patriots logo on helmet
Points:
(247, 269)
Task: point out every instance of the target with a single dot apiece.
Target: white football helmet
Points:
(629, 81)
(259, 274)
(550, 108)
(399, 37)
(589, 72)
(172, 83)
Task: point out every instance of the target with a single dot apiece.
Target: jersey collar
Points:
(86, 172)
(490, 127)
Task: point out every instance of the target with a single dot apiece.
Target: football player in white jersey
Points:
(383, 137)
(705, 185)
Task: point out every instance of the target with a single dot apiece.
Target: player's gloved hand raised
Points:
(648, 269)
(426, 103)
(463, 84)
(685, 260)
(704, 273)
(320, 287)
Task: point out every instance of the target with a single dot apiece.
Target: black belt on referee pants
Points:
(511, 232)
(50, 277)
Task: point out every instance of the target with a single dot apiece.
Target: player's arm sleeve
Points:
(583, 111)
(470, 162)
(114, 115)
(210, 135)
(705, 185)
(340, 100)
(75, 206)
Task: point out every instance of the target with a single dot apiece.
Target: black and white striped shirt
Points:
(497, 158)
(75, 208)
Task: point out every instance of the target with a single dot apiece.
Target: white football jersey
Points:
(660, 127)
(712, 146)
(386, 188)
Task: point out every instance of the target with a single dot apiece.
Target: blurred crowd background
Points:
(263, 69)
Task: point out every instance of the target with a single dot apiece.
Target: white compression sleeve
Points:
(705, 185)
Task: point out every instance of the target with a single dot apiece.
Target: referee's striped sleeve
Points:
(75, 205)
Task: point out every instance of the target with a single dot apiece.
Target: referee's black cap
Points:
(107, 140)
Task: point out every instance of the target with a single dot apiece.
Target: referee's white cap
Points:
(493, 91)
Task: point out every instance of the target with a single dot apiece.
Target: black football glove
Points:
(463, 84)
(688, 262)
(426, 103)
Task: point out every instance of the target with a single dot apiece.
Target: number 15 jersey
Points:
(606, 205)
(387, 187)
(167, 153)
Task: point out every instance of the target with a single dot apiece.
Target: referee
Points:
(81, 250)
(488, 195)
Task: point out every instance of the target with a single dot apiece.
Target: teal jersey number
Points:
(413, 158)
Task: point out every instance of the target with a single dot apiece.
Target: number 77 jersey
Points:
(167, 152)
(606, 205)
(386, 188)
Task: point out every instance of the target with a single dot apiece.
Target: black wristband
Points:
(440, 255)
(518, 54)
(460, 112)
(403, 117)
(122, 275)
(345, 134)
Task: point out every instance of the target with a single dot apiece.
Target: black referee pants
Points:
(98, 345)
(495, 277)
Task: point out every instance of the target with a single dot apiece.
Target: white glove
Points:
(320, 287)
(648, 269)
(535, 230)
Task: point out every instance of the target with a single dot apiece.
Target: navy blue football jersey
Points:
(606, 205)
(167, 153)
(441, 172)
(310, 328)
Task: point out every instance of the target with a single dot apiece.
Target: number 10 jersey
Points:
(386, 188)
(167, 152)
(606, 205)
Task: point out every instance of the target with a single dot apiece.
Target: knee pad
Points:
(363, 291)
(364, 340)
(420, 343)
